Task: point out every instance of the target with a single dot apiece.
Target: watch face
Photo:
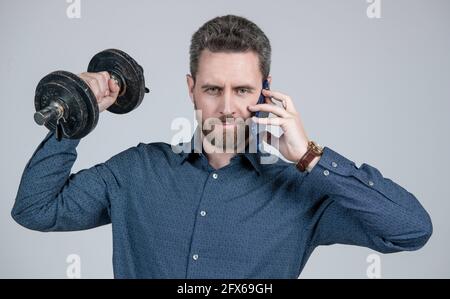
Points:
(317, 149)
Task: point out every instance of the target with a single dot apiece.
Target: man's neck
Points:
(219, 160)
(215, 158)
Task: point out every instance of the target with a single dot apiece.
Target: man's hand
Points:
(104, 88)
(293, 143)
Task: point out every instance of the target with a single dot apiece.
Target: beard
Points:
(228, 140)
(233, 139)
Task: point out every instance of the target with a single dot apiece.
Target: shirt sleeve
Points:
(358, 206)
(50, 198)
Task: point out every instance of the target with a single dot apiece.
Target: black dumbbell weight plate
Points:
(79, 103)
(118, 62)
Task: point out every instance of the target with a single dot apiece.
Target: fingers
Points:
(271, 100)
(286, 100)
(113, 92)
(106, 102)
(98, 83)
(92, 83)
(276, 121)
(270, 108)
(104, 88)
(101, 81)
(105, 77)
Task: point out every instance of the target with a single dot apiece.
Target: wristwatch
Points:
(314, 150)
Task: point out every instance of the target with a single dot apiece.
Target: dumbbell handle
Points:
(53, 111)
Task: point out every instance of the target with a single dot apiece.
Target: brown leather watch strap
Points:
(313, 151)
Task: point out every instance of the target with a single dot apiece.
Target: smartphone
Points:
(256, 128)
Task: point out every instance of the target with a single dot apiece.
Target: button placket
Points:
(200, 231)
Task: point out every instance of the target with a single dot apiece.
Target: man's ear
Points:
(190, 84)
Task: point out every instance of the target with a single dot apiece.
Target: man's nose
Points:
(227, 106)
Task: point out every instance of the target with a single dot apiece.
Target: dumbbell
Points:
(65, 103)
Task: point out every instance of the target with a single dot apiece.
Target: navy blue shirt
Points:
(174, 216)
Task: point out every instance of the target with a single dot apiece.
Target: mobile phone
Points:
(256, 128)
(262, 100)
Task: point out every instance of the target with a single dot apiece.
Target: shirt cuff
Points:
(336, 174)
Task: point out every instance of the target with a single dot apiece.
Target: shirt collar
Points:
(193, 149)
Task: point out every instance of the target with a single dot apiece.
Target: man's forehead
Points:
(221, 67)
(224, 78)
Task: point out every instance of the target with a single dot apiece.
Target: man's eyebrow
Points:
(209, 85)
(245, 86)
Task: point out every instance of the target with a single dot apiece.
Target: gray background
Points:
(375, 90)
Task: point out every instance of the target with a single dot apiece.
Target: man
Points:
(218, 211)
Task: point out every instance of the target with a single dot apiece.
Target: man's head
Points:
(229, 59)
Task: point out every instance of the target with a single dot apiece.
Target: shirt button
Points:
(195, 257)
(371, 183)
(215, 175)
(334, 164)
(326, 172)
(203, 213)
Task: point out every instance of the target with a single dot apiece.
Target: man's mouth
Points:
(227, 124)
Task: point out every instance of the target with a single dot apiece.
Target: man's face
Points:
(226, 84)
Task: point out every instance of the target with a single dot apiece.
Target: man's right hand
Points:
(104, 88)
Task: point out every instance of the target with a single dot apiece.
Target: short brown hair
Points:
(230, 33)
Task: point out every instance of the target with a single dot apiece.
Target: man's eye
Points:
(212, 90)
(243, 91)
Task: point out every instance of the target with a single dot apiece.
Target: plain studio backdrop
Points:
(376, 90)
